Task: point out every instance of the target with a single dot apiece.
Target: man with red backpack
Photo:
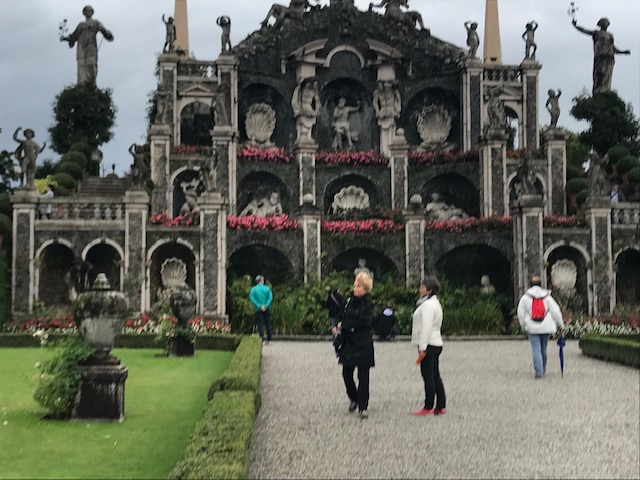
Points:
(540, 316)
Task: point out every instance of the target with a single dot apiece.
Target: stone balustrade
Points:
(502, 73)
(626, 213)
(197, 68)
(70, 208)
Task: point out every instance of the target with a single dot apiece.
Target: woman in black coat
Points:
(357, 349)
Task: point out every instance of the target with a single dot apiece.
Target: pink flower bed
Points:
(442, 157)
(186, 219)
(268, 155)
(369, 157)
(276, 223)
(482, 224)
(371, 225)
(563, 222)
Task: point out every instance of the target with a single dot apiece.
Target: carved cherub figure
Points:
(225, 23)
(170, 37)
(27, 153)
(530, 45)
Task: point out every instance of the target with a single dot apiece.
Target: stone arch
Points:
(55, 258)
(337, 184)
(454, 189)
(256, 259)
(163, 250)
(627, 276)
(178, 198)
(196, 123)
(344, 49)
(362, 123)
(412, 107)
(540, 185)
(514, 127)
(105, 256)
(466, 264)
(380, 265)
(579, 256)
(261, 184)
(284, 132)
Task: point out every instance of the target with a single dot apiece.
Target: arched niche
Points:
(465, 265)
(537, 185)
(254, 260)
(257, 185)
(162, 253)
(581, 300)
(627, 268)
(54, 264)
(454, 189)
(362, 123)
(514, 128)
(186, 179)
(104, 258)
(380, 265)
(196, 122)
(345, 181)
(412, 108)
(284, 132)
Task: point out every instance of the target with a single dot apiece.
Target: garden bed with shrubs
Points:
(624, 349)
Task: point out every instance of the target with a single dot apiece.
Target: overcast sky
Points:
(35, 66)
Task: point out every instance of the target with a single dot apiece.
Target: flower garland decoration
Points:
(275, 223)
(563, 222)
(372, 225)
(268, 155)
(442, 157)
(482, 224)
(191, 151)
(369, 157)
(185, 220)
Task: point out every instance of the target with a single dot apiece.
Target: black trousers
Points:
(361, 393)
(433, 387)
(264, 320)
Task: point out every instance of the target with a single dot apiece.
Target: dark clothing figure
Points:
(386, 324)
(335, 304)
(433, 386)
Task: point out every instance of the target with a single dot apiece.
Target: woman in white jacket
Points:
(425, 333)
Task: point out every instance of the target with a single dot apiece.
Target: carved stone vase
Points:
(100, 313)
(183, 302)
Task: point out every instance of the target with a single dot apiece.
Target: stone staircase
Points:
(103, 187)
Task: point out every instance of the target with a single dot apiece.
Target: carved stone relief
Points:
(349, 198)
(434, 125)
(259, 124)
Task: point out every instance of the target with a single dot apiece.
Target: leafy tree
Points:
(46, 168)
(8, 171)
(83, 113)
(612, 121)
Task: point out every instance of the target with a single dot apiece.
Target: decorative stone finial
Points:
(101, 282)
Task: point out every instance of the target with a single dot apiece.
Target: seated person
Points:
(386, 324)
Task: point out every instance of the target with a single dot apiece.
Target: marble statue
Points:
(208, 172)
(604, 52)
(219, 105)
(564, 274)
(26, 154)
(394, 11)
(260, 122)
(264, 207)
(525, 177)
(350, 198)
(306, 107)
(486, 288)
(437, 209)
(495, 108)
(473, 39)
(362, 267)
(387, 103)
(280, 13)
(553, 106)
(190, 190)
(170, 37)
(87, 51)
(598, 175)
(530, 46)
(141, 168)
(341, 129)
(224, 22)
(161, 106)
(433, 125)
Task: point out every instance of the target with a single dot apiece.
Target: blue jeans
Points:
(539, 352)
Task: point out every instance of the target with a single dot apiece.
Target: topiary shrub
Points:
(634, 176)
(627, 164)
(574, 172)
(77, 157)
(577, 184)
(60, 191)
(71, 168)
(581, 196)
(65, 180)
(83, 148)
(616, 153)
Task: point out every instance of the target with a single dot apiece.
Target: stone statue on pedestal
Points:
(486, 288)
(26, 154)
(473, 39)
(141, 167)
(362, 267)
(306, 108)
(437, 209)
(225, 23)
(387, 103)
(495, 108)
(393, 11)
(530, 45)
(598, 175)
(341, 129)
(264, 207)
(553, 107)
(170, 37)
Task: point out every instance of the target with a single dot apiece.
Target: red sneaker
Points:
(439, 411)
(422, 412)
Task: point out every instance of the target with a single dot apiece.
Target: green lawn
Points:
(164, 397)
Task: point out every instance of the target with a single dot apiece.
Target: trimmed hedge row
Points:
(221, 442)
(619, 349)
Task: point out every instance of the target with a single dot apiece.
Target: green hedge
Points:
(620, 349)
(220, 445)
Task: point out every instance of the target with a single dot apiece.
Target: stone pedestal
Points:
(598, 216)
(101, 394)
(414, 241)
(555, 141)
(494, 189)
(527, 214)
(179, 347)
(160, 138)
(136, 215)
(309, 218)
(305, 157)
(529, 76)
(213, 255)
(23, 292)
(398, 164)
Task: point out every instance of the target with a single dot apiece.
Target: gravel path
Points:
(500, 422)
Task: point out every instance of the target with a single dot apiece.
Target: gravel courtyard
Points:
(500, 422)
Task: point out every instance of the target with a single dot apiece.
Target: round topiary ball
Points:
(617, 152)
(65, 180)
(576, 184)
(634, 176)
(71, 168)
(78, 158)
(627, 163)
(581, 196)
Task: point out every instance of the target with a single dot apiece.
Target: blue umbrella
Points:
(561, 343)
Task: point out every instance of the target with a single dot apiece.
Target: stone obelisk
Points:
(181, 22)
(492, 49)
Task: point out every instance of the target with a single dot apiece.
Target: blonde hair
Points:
(364, 279)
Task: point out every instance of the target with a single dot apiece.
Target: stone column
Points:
(136, 203)
(23, 250)
(527, 213)
(472, 103)
(398, 163)
(167, 93)
(530, 76)
(309, 218)
(225, 145)
(555, 141)
(213, 256)
(494, 189)
(598, 215)
(414, 240)
(306, 159)
(160, 138)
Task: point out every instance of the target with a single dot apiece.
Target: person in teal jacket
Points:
(261, 297)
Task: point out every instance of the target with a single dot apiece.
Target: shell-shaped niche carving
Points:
(260, 123)
(173, 273)
(350, 198)
(434, 125)
(564, 275)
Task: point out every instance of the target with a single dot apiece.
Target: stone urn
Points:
(100, 313)
(183, 302)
